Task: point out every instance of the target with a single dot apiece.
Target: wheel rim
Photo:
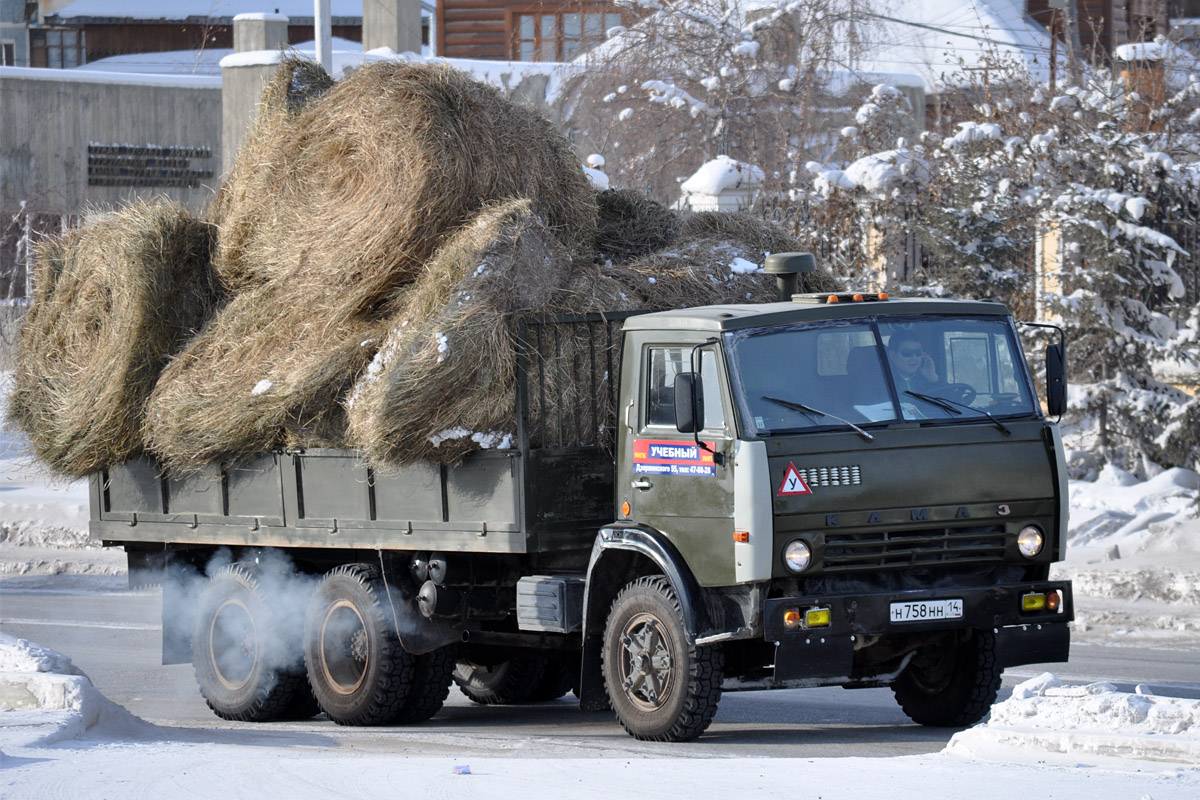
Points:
(932, 672)
(345, 654)
(647, 669)
(233, 644)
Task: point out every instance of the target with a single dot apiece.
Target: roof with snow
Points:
(930, 37)
(185, 9)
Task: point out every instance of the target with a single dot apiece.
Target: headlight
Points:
(1030, 541)
(797, 555)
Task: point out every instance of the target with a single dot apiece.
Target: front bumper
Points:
(829, 651)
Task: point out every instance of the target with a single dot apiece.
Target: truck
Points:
(696, 501)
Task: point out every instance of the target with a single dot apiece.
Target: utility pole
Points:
(1054, 6)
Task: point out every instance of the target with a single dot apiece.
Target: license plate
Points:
(926, 610)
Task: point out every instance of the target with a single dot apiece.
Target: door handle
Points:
(642, 483)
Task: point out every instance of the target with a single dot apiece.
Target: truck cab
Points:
(858, 491)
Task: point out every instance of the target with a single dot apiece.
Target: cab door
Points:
(669, 482)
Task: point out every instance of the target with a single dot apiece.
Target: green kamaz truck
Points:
(837, 490)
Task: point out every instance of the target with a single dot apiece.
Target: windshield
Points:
(877, 371)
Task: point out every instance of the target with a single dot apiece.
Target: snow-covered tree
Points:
(695, 79)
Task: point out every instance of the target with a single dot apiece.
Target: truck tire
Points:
(557, 680)
(662, 688)
(511, 681)
(248, 663)
(432, 676)
(951, 684)
(358, 671)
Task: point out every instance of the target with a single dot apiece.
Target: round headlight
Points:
(1030, 541)
(797, 555)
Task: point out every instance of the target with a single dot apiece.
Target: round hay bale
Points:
(443, 382)
(257, 170)
(271, 368)
(374, 174)
(630, 225)
(113, 302)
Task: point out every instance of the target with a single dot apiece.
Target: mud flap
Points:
(1043, 643)
(814, 657)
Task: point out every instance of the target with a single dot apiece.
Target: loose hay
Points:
(443, 382)
(369, 178)
(714, 258)
(271, 368)
(631, 225)
(113, 301)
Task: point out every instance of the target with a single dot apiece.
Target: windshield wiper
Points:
(939, 401)
(810, 410)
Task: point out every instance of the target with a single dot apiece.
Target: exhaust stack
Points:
(787, 267)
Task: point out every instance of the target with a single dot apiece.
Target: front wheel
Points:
(662, 687)
(358, 671)
(951, 683)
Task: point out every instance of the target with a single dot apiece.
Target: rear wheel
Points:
(432, 675)
(248, 661)
(951, 683)
(511, 681)
(358, 671)
(557, 680)
(662, 687)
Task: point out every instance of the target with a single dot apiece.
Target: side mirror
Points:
(689, 403)
(1056, 379)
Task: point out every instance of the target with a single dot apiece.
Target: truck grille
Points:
(855, 552)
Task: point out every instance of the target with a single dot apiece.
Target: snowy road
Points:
(113, 635)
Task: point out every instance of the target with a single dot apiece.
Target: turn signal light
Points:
(791, 618)
(741, 536)
(1053, 601)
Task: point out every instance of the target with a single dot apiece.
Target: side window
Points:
(663, 364)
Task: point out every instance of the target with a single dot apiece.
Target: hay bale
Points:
(258, 170)
(630, 225)
(113, 302)
(373, 175)
(271, 368)
(443, 382)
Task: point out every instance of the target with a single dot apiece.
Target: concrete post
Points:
(242, 83)
(259, 32)
(392, 23)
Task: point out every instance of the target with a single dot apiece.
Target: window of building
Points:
(8, 53)
(558, 35)
(56, 48)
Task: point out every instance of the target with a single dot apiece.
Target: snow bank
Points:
(1094, 720)
(49, 699)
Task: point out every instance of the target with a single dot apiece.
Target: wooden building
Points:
(520, 30)
(1102, 25)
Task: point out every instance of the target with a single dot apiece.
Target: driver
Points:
(912, 367)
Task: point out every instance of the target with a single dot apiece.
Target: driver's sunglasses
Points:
(911, 353)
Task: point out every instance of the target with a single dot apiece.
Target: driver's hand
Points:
(928, 370)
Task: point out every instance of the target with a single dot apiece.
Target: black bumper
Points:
(828, 652)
